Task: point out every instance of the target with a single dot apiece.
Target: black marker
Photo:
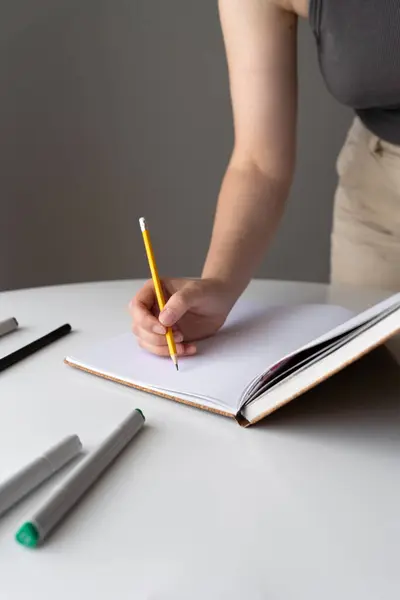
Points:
(26, 351)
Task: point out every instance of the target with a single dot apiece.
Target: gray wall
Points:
(111, 109)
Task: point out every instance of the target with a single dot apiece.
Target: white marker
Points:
(8, 326)
(32, 475)
(67, 494)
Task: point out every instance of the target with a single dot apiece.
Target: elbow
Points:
(268, 171)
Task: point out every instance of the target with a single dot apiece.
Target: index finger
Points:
(141, 307)
(146, 297)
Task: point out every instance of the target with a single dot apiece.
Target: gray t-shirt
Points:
(359, 54)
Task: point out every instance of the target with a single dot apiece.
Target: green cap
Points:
(139, 411)
(28, 535)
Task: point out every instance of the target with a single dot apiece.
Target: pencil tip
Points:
(176, 365)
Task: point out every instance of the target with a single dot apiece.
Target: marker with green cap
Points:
(66, 495)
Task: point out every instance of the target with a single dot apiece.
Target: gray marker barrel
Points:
(32, 475)
(8, 326)
(67, 494)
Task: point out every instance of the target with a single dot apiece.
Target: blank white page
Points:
(361, 318)
(329, 364)
(252, 340)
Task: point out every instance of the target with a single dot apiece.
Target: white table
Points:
(305, 505)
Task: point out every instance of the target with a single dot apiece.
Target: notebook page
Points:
(359, 319)
(297, 364)
(355, 323)
(327, 365)
(253, 339)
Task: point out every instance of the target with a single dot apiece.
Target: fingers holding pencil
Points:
(181, 349)
(158, 289)
(195, 308)
(150, 333)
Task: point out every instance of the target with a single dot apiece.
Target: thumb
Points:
(177, 306)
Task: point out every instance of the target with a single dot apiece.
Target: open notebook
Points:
(262, 358)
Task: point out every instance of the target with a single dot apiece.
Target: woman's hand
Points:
(195, 309)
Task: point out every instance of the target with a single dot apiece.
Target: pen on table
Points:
(78, 481)
(36, 472)
(8, 326)
(158, 288)
(38, 344)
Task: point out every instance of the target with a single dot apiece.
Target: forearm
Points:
(249, 209)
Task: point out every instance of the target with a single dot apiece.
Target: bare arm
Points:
(260, 40)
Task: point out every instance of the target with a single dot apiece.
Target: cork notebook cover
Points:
(263, 357)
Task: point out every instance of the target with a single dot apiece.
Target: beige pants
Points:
(365, 243)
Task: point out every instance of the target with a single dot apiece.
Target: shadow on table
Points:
(363, 400)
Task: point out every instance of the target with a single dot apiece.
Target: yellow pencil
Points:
(158, 288)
